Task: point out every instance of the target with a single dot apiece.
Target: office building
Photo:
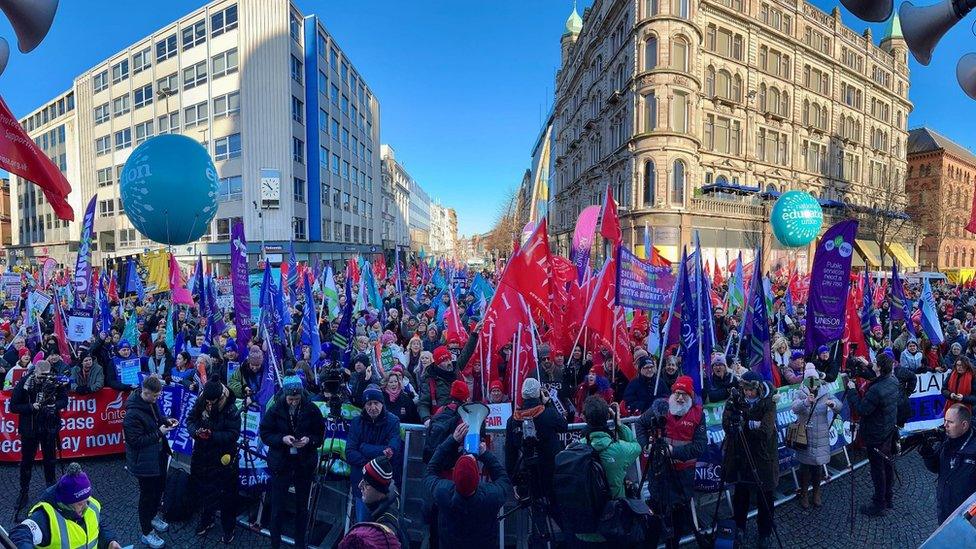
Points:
(396, 202)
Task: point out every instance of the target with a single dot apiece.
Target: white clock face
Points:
(270, 188)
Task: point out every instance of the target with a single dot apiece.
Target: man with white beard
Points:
(678, 425)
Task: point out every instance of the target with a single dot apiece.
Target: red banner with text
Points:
(90, 426)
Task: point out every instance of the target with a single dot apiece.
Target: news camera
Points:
(921, 439)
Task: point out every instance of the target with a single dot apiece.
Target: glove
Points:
(754, 424)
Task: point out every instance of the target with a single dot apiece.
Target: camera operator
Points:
(878, 409)
(750, 418)
(293, 429)
(953, 458)
(38, 398)
(246, 380)
(673, 437)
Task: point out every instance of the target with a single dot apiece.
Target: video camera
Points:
(860, 369)
(330, 385)
(921, 439)
(48, 386)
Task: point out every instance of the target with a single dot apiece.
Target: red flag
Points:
(20, 155)
(609, 223)
(526, 362)
(717, 280)
(529, 272)
(621, 344)
(502, 318)
(453, 327)
(657, 259)
(113, 288)
(852, 327)
(352, 269)
(599, 316)
(59, 332)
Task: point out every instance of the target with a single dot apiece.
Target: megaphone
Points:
(966, 74)
(473, 414)
(31, 19)
(924, 26)
(4, 54)
(873, 11)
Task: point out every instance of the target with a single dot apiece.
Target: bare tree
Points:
(888, 220)
(499, 239)
(936, 213)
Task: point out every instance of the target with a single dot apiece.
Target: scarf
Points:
(394, 394)
(960, 384)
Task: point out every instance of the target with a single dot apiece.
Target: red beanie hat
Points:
(496, 385)
(460, 391)
(24, 351)
(441, 354)
(685, 385)
(466, 475)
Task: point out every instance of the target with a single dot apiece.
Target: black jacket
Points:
(387, 513)
(276, 424)
(955, 463)
(762, 442)
(146, 448)
(403, 408)
(907, 381)
(548, 425)
(717, 389)
(878, 409)
(441, 427)
(829, 367)
(37, 423)
(466, 521)
(640, 393)
(225, 428)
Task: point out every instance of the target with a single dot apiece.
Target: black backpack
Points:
(580, 487)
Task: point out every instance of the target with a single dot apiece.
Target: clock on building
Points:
(270, 188)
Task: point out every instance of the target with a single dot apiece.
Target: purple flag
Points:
(583, 240)
(239, 285)
(83, 273)
(829, 285)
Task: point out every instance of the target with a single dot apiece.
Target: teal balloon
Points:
(796, 219)
(169, 189)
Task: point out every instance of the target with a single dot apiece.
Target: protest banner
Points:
(80, 323)
(641, 285)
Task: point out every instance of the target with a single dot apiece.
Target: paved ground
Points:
(911, 522)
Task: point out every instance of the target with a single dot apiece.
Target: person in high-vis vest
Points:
(67, 517)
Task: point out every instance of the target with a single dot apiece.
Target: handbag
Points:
(629, 520)
(796, 432)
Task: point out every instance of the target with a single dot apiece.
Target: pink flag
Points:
(181, 296)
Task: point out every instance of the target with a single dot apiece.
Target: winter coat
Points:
(146, 448)
(616, 456)
(818, 423)
(94, 382)
(367, 438)
(36, 423)
(239, 381)
(206, 468)
(22, 535)
(717, 389)
(878, 409)
(466, 521)
(439, 381)
(640, 393)
(912, 361)
(387, 512)
(441, 427)
(600, 387)
(681, 486)
(961, 384)
(956, 470)
(404, 408)
(276, 424)
(830, 367)
(549, 423)
(907, 382)
(762, 442)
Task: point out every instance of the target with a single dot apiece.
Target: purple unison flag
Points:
(83, 271)
(583, 239)
(239, 285)
(829, 285)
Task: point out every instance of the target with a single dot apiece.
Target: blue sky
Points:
(462, 85)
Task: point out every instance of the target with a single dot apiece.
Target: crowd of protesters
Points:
(403, 365)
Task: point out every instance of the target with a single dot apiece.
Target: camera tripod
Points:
(330, 457)
(535, 502)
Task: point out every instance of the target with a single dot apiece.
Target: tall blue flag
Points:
(342, 338)
(291, 284)
(760, 359)
(690, 347)
(704, 286)
(868, 319)
(271, 304)
(133, 284)
(104, 309)
(930, 317)
(310, 325)
(198, 290)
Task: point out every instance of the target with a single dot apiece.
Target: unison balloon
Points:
(169, 189)
(796, 219)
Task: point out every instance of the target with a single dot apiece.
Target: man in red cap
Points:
(672, 453)
(465, 505)
(496, 393)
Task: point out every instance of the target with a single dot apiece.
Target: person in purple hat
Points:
(66, 516)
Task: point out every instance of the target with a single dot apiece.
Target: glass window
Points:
(144, 131)
(298, 150)
(223, 21)
(168, 123)
(650, 53)
(194, 115)
(298, 186)
(650, 112)
(120, 71)
(123, 139)
(166, 48)
(120, 105)
(224, 105)
(679, 54)
(102, 113)
(299, 223)
(648, 194)
(297, 110)
(143, 96)
(678, 183)
(195, 75)
(141, 60)
(227, 147)
(679, 112)
(194, 35)
(230, 188)
(296, 70)
(224, 63)
(105, 177)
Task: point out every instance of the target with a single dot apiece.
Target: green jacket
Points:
(617, 456)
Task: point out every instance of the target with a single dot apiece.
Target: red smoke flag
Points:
(529, 272)
(609, 223)
(20, 155)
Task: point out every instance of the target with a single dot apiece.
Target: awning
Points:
(870, 252)
(902, 256)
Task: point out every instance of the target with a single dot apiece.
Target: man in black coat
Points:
(293, 429)
(954, 460)
(878, 409)
(645, 388)
(381, 499)
(146, 454)
(38, 399)
(827, 365)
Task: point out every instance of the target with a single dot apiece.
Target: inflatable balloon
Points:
(169, 189)
(796, 219)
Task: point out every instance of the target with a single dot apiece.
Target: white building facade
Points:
(396, 202)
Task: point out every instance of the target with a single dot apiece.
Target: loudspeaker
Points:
(473, 414)
(966, 74)
(31, 19)
(4, 54)
(924, 26)
(874, 11)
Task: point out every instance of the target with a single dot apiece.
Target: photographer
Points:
(246, 380)
(673, 441)
(953, 459)
(878, 409)
(750, 418)
(146, 455)
(293, 429)
(38, 399)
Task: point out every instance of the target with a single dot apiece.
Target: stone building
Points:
(698, 115)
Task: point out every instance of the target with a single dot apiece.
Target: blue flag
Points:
(133, 284)
(271, 304)
(343, 336)
(901, 306)
(291, 283)
(104, 309)
(757, 329)
(690, 346)
(868, 319)
(310, 325)
(930, 317)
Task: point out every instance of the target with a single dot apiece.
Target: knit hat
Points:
(823, 349)
(796, 355)
(497, 385)
(124, 345)
(466, 475)
(372, 393)
(684, 385)
(912, 341)
(212, 390)
(810, 371)
(442, 354)
(531, 388)
(751, 378)
(230, 346)
(890, 352)
(292, 385)
(73, 486)
(955, 346)
(387, 338)
(718, 358)
(24, 351)
(460, 391)
(378, 473)
(544, 350)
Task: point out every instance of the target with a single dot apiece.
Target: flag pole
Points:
(589, 308)
(664, 336)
